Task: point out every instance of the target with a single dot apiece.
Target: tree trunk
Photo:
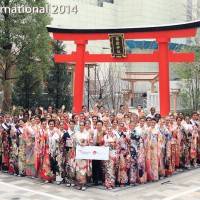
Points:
(7, 95)
(7, 89)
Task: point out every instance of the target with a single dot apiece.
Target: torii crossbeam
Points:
(162, 34)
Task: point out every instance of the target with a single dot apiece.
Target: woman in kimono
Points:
(123, 150)
(61, 151)
(174, 151)
(171, 147)
(45, 172)
(68, 138)
(178, 129)
(91, 142)
(37, 158)
(13, 161)
(53, 141)
(137, 163)
(82, 138)
(6, 143)
(198, 142)
(1, 145)
(56, 148)
(153, 134)
(21, 156)
(134, 147)
(141, 131)
(187, 140)
(166, 148)
(110, 140)
(193, 149)
(161, 147)
(142, 177)
(30, 149)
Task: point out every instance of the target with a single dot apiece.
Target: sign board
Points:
(117, 44)
(92, 153)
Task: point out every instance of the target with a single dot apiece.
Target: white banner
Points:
(92, 153)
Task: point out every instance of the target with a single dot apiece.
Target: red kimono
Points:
(5, 151)
(45, 172)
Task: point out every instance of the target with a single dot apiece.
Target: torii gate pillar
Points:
(164, 88)
(79, 75)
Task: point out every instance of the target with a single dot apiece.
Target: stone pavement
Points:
(184, 186)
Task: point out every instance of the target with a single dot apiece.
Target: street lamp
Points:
(91, 65)
(175, 93)
(70, 68)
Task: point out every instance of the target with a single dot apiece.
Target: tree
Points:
(24, 50)
(109, 86)
(190, 74)
(58, 80)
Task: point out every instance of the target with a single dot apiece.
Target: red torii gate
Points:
(163, 55)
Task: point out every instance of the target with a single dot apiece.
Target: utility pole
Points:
(88, 82)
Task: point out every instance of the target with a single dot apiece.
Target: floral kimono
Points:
(82, 139)
(53, 141)
(21, 155)
(161, 153)
(174, 153)
(186, 145)
(68, 138)
(29, 152)
(134, 148)
(45, 172)
(37, 151)
(176, 148)
(152, 172)
(110, 140)
(61, 152)
(166, 150)
(193, 150)
(13, 161)
(6, 143)
(142, 176)
(146, 140)
(123, 147)
(198, 145)
(1, 149)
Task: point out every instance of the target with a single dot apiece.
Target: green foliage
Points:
(24, 30)
(190, 74)
(58, 81)
(30, 53)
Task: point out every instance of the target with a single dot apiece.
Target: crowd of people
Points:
(142, 147)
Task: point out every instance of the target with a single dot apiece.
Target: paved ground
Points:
(184, 186)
